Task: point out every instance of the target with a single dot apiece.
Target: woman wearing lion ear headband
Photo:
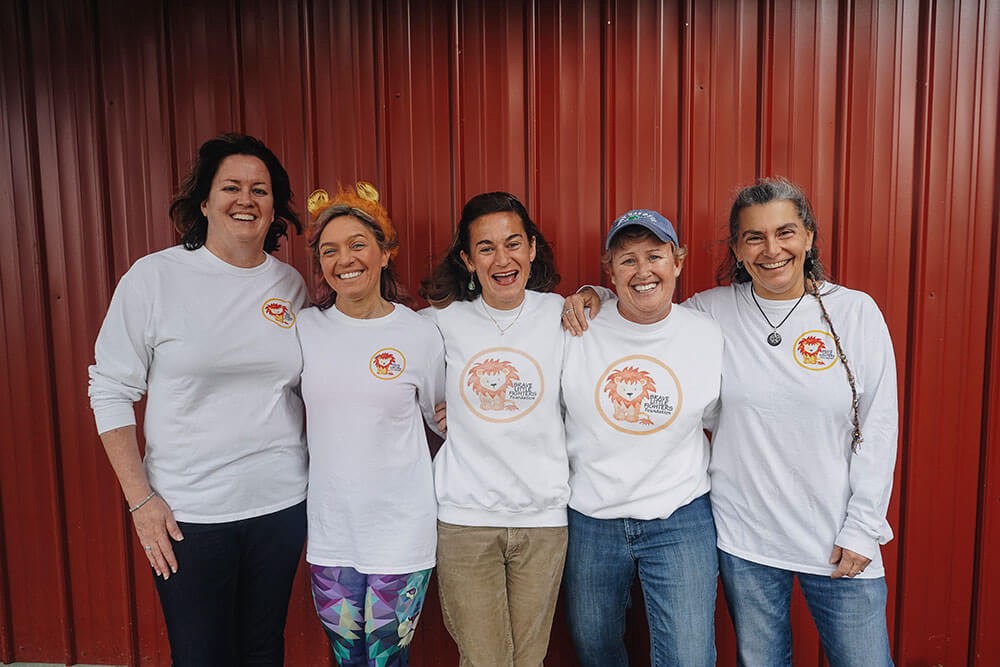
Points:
(372, 372)
(808, 370)
(501, 476)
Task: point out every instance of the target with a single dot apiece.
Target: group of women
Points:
(573, 460)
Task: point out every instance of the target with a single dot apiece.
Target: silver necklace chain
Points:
(501, 329)
(774, 338)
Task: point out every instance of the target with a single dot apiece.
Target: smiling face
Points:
(644, 273)
(772, 244)
(351, 259)
(500, 254)
(239, 208)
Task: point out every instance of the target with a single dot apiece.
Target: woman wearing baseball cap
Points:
(636, 389)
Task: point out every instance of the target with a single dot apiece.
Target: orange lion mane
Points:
(811, 356)
(383, 360)
(493, 398)
(630, 410)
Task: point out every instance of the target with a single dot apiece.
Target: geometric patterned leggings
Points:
(369, 618)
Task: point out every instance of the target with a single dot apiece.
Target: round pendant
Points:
(774, 339)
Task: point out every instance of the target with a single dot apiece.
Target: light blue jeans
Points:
(849, 614)
(678, 571)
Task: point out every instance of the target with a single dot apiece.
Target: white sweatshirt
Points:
(785, 485)
(635, 396)
(368, 385)
(504, 460)
(213, 348)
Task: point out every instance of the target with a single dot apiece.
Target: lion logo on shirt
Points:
(490, 379)
(279, 311)
(638, 394)
(815, 350)
(500, 384)
(628, 388)
(387, 363)
(810, 347)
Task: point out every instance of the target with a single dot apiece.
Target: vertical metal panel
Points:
(70, 158)
(32, 555)
(565, 176)
(948, 326)
(418, 134)
(205, 83)
(885, 111)
(721, 75)
(986, 612)
(643, 98)
(491, 99)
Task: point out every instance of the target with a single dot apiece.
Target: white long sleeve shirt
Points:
(635, 396)
(368, 386)
(504, 461)
(786, 486)
(213, 348)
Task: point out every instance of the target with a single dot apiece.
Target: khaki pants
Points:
(498, 589)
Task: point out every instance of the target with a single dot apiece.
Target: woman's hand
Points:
(573, 318)
(155, 525)
(441, 417)
(849, 563)
(153, 519)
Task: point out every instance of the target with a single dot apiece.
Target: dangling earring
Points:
(472, 281)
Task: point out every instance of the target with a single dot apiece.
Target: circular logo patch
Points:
(815, 350)
(502, 384)
(279, 311)
(387, 364)
(638, 394)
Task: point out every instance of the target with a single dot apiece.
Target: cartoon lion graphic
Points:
(278, 312)
(810, 347)
(490, 379)
(383, 361)
(628, 388)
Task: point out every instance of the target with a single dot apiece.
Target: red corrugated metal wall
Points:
(887, 112)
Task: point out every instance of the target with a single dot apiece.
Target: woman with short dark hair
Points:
(205, 331)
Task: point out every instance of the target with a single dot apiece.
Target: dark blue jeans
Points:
(676, 561)
(228, 601)
(849, 614)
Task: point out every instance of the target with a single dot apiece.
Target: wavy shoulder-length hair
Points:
(185, 209)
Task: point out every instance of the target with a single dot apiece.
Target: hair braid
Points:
(856, 437)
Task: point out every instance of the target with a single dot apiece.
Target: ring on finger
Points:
(147, 547)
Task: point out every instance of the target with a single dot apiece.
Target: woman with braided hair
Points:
(804, 447)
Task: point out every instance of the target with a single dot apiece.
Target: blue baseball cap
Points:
(651, 220)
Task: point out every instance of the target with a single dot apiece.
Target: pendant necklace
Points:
(774, 338)
(501, 329)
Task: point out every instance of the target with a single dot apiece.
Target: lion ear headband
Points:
(361, 202)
